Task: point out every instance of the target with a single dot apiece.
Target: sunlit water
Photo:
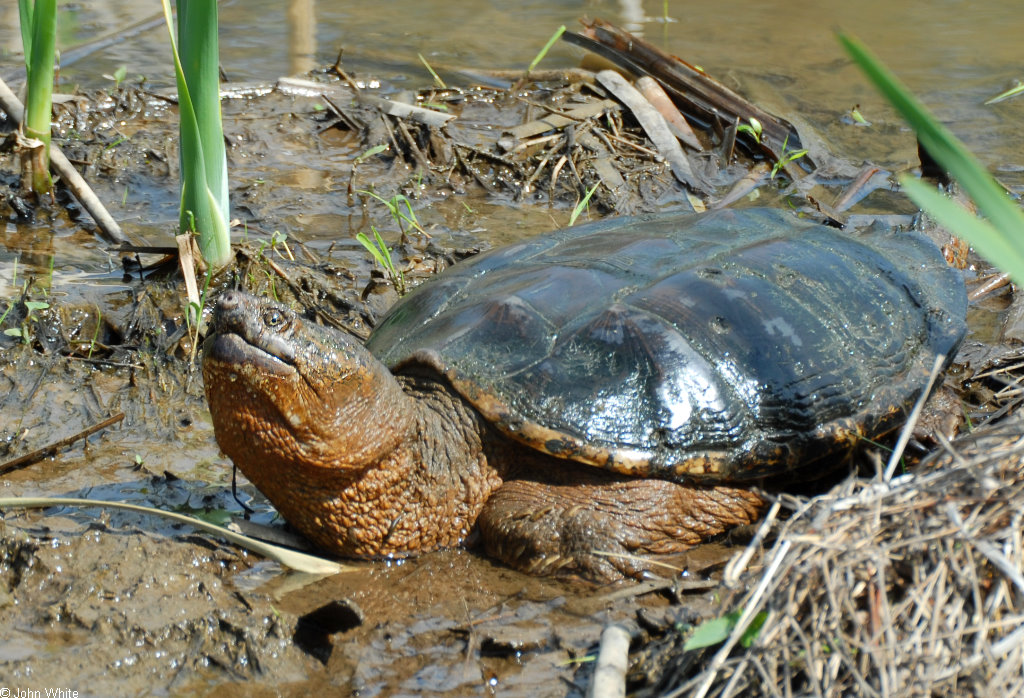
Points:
(783, 55)
(953, 52)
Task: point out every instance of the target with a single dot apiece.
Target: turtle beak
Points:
(249, 329)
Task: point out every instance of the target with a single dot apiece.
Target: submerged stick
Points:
(300, 562)
(52, 449)
(74, 181)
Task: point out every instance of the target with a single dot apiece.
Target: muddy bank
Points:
(114, 602)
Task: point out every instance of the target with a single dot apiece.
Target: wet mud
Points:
(110, 602)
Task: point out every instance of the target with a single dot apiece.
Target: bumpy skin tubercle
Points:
(331, 438)
(599, 525)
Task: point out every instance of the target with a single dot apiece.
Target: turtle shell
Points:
(725, 346)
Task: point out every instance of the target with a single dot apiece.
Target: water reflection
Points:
(301, 36)
(782, 55)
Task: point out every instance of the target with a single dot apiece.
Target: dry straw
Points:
(908, 588)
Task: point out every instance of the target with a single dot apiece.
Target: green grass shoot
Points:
(437, 78)
(857, 117)
(10, 306)
(31, 307)
(39, 36)
(382, 254)
(547, 47)
(204, 171)
(754, 128)
(117, 76)
(402, 218)
(1012, 92)
(582, 205)
(370, 152)
(96, 331)
(999, 238)
(785, 157)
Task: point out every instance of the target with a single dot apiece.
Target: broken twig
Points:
(52, 449)
(654, 125)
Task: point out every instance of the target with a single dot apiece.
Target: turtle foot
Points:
(602, 527)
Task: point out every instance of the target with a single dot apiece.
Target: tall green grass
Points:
(205, 208)
(39, 37)
(999, 237)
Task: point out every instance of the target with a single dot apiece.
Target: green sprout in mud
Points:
(31, 307)
(45, 288)
(858, 117)
(582, 205)
(402, 218)
(118, 76)
(717, 630)
(785, 157)
(195, 311)
(752, 127)
(382, 254)
(7, 312)
(278, 243)
(277, 239)
(96, 331)
(547, 47)
(370, 152)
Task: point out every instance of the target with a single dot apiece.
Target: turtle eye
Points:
(274, 319)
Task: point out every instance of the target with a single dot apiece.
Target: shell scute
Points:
(730, 345)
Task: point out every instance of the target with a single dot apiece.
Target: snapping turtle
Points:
(604, 393)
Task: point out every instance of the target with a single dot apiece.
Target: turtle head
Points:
(285, 392)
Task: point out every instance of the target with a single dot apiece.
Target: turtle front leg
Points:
(600, 526)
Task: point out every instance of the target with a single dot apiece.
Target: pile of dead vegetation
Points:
(911, 587)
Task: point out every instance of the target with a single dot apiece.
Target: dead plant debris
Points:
(908, 589)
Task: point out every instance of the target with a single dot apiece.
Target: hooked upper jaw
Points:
(253, 333)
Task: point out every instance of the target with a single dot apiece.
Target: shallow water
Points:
(953, 53)
(783, 55)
